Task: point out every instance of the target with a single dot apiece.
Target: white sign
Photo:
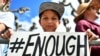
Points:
(48, 44)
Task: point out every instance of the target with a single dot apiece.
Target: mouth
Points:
(49, 27)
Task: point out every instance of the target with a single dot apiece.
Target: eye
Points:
(45, 18)
(54, 18)
(93, 8)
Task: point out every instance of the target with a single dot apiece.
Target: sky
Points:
(33, 6)
(31, 16)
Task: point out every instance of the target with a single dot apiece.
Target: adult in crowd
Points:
(6, 25)
(87, 13)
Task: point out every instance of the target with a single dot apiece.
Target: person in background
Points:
(6, 24)
(50, 14)
(87, 13)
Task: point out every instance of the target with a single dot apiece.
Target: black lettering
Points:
(63, 47)
(81, 46)
(38, 43)
(51, 37)
(71, 46)
(29, 44)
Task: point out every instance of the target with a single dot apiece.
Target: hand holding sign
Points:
(91, 35)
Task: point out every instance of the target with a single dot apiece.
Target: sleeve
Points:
(8, 19)
(81, 27)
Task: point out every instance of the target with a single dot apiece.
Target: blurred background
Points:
(26, 14)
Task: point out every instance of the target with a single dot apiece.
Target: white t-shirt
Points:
(8, 19)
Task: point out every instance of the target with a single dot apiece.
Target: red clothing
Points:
(82, 26)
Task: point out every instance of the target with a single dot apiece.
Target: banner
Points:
(48, 44)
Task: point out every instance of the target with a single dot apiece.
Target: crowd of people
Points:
(50, 14)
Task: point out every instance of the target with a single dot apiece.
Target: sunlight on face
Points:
(49, 21)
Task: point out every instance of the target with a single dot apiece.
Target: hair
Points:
(6, 6)
(95, 4)
(51, 10)
(80, 17)
(7, 1)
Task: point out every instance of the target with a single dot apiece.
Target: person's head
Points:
(87, 11)
(4, 5)
(50, 14)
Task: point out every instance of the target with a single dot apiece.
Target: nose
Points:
(50, 21)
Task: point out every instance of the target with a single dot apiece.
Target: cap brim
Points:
(78, 17)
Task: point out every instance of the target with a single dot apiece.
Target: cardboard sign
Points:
(48, 44)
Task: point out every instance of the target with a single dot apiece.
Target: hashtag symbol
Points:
(18, 45)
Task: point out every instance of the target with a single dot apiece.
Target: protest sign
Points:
(48, 44)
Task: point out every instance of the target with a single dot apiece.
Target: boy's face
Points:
(49, 21)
